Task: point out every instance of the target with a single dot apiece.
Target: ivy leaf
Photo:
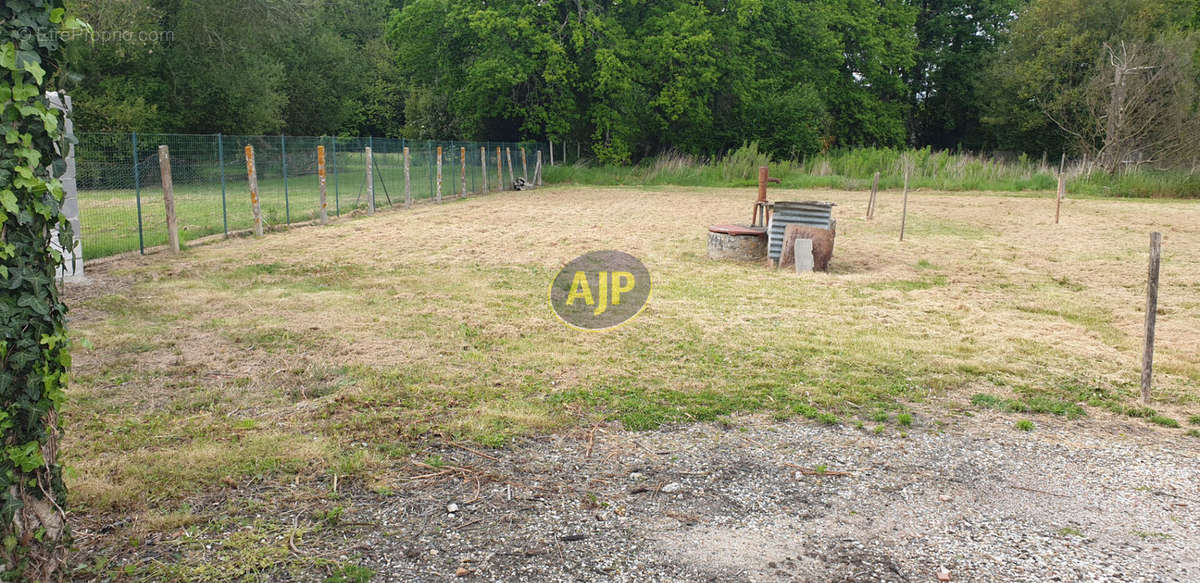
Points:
(9, 201)
(22, 91)
(8, 56)
(36, 70)
(24, 58)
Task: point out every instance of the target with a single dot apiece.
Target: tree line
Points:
(1113, 80)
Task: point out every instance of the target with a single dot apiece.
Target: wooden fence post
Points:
(524, 166)
(164, 167)
(321, 180)
(439, 174)
(370, 181)
(537, 170)
(508, 156)
(1151, 315)
(499, 171)
(407, 180)
(252, 174)
(874, 191)
(904, 215)
(1062, 191)
(483, 168)
(551, 142)
(462, 169)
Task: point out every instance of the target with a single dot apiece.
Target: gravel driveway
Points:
(973, 501)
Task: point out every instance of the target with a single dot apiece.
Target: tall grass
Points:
(853, 169)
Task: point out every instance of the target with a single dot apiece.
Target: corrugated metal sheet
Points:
(812, 213)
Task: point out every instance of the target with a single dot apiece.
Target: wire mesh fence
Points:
(120, 181)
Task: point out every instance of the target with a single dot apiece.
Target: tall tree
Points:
(1037, 92)
(956, 41)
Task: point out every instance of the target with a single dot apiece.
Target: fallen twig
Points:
(292, 535)
(478, 453)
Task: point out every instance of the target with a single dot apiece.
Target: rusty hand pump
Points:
(760, 205)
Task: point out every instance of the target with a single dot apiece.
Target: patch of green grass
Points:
(904, 419)
(1150, 535)
(1163, 420)
(350, 574)
(1024, 425)
(330, 516)
(911, 284)
(1193, 432)
(1141, 412)
(1070, 531)
(1194, 419)
(1034, 404)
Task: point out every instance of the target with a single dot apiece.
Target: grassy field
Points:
(109, 218)
(854, 169)
(341, 350)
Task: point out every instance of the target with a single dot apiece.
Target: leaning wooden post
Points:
(524, 166)
(483, 168)
(407, 179)
(252, 174)
(462, 169)
(370, 182)
(904, 215)
(551, 150)
(537, 170)
(1062, 190)
(321, 181)
(508, 156)
(439, 174)
(164, 167)
(499, 171)
(1151, 315)
(874, 191)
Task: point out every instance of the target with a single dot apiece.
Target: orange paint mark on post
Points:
(321, 177)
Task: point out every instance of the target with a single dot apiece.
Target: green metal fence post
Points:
(287, 207)
(371, 164)
(221, 162)
(137, 192)
(337, 204)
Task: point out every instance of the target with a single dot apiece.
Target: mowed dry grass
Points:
(337, 349)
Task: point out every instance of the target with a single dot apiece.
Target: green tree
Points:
(956, 42)
(1036, 92)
